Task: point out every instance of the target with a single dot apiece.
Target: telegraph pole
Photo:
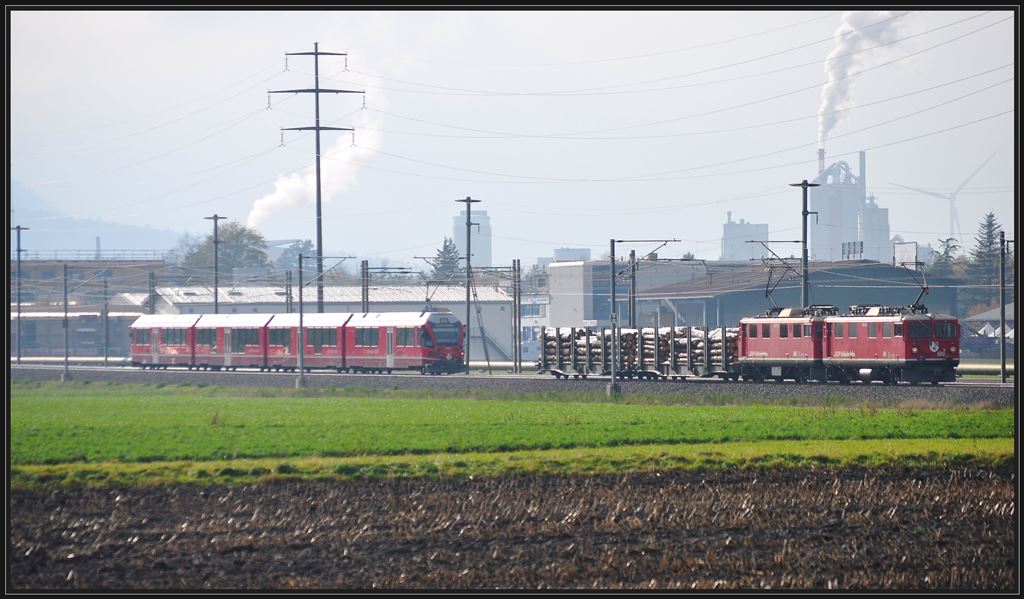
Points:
(301, 381)
(216, 242)
(805, 289)
(613, 388)
(469, 270)
(1002, 306)
(18, 230)
(316, 91)
(64, 375)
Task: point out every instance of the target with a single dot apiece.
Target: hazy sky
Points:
(572, 127)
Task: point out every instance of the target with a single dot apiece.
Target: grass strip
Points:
(603, 460)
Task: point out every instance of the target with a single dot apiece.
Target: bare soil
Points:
(893, 529)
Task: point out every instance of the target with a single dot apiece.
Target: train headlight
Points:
(953, 349)
(914, 349)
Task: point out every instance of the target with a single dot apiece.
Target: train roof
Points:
(165, 321)
(391, 319)
(212, 321)
(316, 319)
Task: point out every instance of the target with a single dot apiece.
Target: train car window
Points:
(753, 330)
(406, 337)
(766, 330)
(319, 338)
(919, 330)
(367, 337)
(206, 337)
(281, 337)
(142, 336)
(242, 337)
(897, 330)
(797, 330)
(425, 339)
(872, 329)
(783, 330)
(851, 330)
(174, 337)
(837, 329)
(807, 330)
(887, 329)
(945, 330)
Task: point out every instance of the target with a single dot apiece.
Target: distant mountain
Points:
(51, 230)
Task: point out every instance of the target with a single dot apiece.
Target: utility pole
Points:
(18, 230)
(805, 289)
(469, 270)
(632, 289)
(301, 381)
(106, 324)
(1002, 306)
(216, 242)
(316, 91)
(613, 387)
(364, 270)
(64, 375)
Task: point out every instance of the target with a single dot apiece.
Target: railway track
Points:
(965, 392)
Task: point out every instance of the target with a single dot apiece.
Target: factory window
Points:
(886, 329)
(175, 337)
(406, 337)
(851, 331)
(783, 330)
(753, 330)
(243, 337)
(367, 338)
(872, 330)
(206, 337)
(766, 330)
(282, 337)
(837, 329)
(531, 309)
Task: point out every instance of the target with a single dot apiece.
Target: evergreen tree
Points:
(289, 258)
(447, 264)
(983, 273)
(945, 259)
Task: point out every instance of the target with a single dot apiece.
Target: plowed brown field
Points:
(849, 528)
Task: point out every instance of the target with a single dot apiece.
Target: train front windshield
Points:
(446, 333)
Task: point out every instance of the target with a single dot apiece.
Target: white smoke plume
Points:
(856, 32)
(339, 167)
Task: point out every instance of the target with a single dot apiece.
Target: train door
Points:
(227, 347)
(391, 347)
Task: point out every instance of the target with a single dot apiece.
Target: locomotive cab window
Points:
(851, 331)
(766, 330)
(783, 330)
(807, 330)
(837, 329)
(917, 329)
(945, 330)
(425, 339)
(753, 330)
(872, 329)
(887, 329)
(897, 330)
(798, 330)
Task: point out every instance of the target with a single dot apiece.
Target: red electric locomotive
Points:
(430, 342)
(892, 344)
(785, 343)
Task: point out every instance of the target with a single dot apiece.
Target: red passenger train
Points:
(428, 342)
(883, 343)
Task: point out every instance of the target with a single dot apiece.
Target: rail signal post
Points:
(316, 91)
(805, 287)
(468, 201)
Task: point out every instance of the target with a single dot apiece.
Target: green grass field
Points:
(101, 433)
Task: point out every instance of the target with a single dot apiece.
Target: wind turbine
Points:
(954, 219)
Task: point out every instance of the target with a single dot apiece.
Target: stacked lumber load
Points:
(649, 343)
(557, 348)
(587, 341)
(731, 345)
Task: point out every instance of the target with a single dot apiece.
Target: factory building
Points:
(849, 225)
(736, 238)
(481, 239)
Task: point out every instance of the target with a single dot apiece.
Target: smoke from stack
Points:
(821, 160)
(858, 30)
